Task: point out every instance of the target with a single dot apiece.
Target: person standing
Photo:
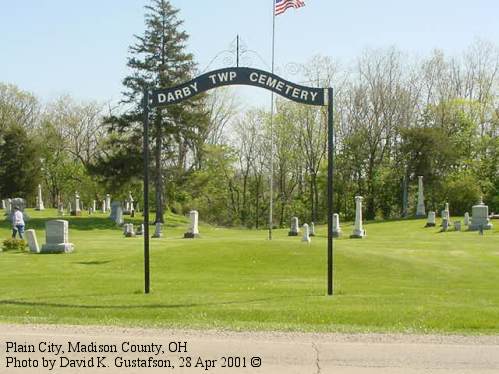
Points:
(17, 223)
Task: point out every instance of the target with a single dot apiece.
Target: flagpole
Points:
(272, 129)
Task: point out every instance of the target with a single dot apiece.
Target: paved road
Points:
(279, 352)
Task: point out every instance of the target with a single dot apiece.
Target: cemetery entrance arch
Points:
(240, 76)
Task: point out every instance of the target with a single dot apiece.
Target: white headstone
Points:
(4, 206)
(118, 219)
(39, 199)
(108, 203)
(480, 217)
(157, 231)
(420, 212)
(76, 208)
(57, 237)
(336, 225)
(129, 230)
(431, 219)
(306, 234)
(94, 206)
(466, 219)
(295, 227)
(312, 229)
(358, 231)
(32, 242)
(445, 224)
(457, 225)
(193, 231)
(8, 207)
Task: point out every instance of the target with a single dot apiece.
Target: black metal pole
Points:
(146, 192)
(237, 51)
(330, 168)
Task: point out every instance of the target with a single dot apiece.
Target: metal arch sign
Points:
(238, 76)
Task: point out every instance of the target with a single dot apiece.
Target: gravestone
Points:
(140, 230)
(57, 237)
(8, 207)
(129, 204)
(94, 206)
(306, 234)
(336, 225)
(466, 219)
(32, 242)
(295, 227)
(420, 212)
(129, 230)
(39, 199)
(193, 231)
(157, 231)
(446, 213)
(431, 222)
(358, 231)
(118, 219)
(69, 207)
(3, 205)
(114, 209)
(445, 225)
(19, 202)
(108, 203)
(457, 225)
(312, 229)
(60, 209)
(480, 217)
(76, 211)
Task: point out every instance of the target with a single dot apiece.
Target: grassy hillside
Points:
(403, 277)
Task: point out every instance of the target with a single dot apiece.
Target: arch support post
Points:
(145, 104)
(330, 169)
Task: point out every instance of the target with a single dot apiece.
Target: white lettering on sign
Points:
(227, 76)
(265, 80)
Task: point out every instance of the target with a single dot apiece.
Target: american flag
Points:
(282, 5)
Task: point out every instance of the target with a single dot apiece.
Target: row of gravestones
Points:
(478, 221)
(129, 231)
(358, 231)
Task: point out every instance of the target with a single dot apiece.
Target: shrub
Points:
(14, 245)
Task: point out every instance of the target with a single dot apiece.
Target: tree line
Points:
(396, 117)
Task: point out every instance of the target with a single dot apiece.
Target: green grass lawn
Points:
(403, 278)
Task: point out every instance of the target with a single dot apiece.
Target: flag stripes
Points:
(282, 5)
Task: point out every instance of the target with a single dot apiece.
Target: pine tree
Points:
(157, 59)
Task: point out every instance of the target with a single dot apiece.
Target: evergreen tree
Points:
(157, 59)
(20, 163)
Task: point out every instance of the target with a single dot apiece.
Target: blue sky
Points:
(52, 47)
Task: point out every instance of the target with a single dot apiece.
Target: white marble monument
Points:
(431, 222)
(358, 231)
(39, 199)
(32, 242)
(312, 229)
(193, 231)
(157, 231)
(306, 234)
(295, 227)
(57, 237)
(336, 225)
(466, 219)
(108, 203)
(480, 217)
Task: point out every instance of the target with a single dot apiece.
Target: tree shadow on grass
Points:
(146, 306)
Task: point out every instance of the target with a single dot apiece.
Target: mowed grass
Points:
(402, 278)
